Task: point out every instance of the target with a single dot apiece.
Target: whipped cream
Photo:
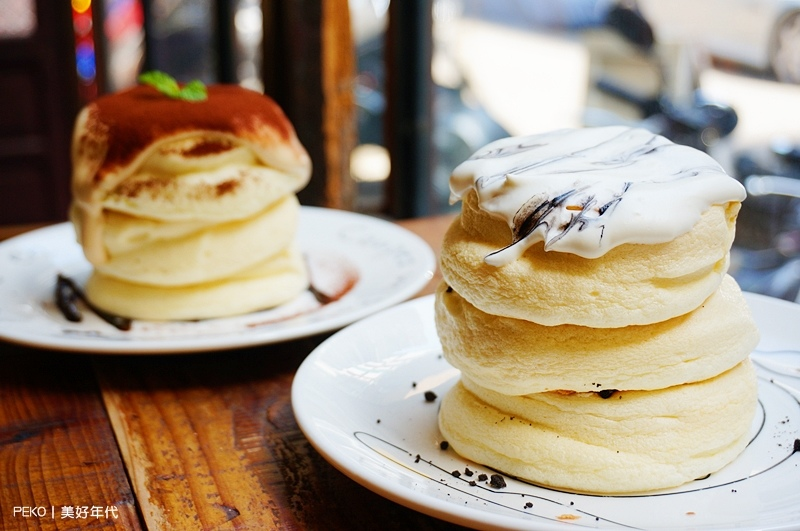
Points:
(586, 191)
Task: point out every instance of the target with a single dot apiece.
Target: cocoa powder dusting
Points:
(202, 149)
(137, 117)
(226, 187)
(138, 188)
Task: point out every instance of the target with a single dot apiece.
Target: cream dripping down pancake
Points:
(597, 227)
(602, 346)
(188, 206)
(587, 191)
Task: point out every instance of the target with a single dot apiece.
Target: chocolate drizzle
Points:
(545, 213)
(535, 212)
(319, 296)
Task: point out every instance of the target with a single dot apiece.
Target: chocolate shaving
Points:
(68, 293)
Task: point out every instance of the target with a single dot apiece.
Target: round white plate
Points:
(360, 400)
(370, 264)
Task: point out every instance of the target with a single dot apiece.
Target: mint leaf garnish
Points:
(164, 83)
(193, 91)
(167, 85)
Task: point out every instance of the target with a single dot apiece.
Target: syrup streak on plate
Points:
(367, 264)
(360, 400)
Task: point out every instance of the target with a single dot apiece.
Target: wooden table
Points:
(184, 442)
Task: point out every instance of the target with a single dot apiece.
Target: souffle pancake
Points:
(187, 209)
(585, 299)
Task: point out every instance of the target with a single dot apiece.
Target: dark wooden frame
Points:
(38, 82)
(309, 68)
(408, 120)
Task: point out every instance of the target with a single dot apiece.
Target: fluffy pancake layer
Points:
(218, 186)
(629, 442)
(517, 357)
(263, 285)
(159, 254)
(602, 346)
(633, 284)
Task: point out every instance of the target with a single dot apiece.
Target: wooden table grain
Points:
(182, 442)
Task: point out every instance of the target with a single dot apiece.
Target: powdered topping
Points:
(587, 191)
(137, 117)
(201, 149)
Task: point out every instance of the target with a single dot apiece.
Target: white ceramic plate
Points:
(370, 263)
(359, 398)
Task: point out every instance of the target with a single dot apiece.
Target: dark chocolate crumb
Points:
(417, 458)
(528, 505)
(796, 446)
(413, 384)
(468, 472)
(449, 289)
(430, 396)
(379, 421)
(472, 483)
(483, 477)
(444, 445)
(455, 474)
(606, 393)
(497, 481)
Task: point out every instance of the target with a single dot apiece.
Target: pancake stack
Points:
(187, 209)
(602, 346)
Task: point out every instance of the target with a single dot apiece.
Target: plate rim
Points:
(236, 340)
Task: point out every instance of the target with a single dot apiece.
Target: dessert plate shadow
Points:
(358, 265)
(360, 398)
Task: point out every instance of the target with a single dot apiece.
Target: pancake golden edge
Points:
(517, 357)
(632, 284)
(633, 441)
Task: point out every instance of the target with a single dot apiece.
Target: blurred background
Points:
(430, 82)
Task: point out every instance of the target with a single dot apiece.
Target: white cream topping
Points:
(586, 191)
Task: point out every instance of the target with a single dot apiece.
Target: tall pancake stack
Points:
(187, 209)
(602, 346)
